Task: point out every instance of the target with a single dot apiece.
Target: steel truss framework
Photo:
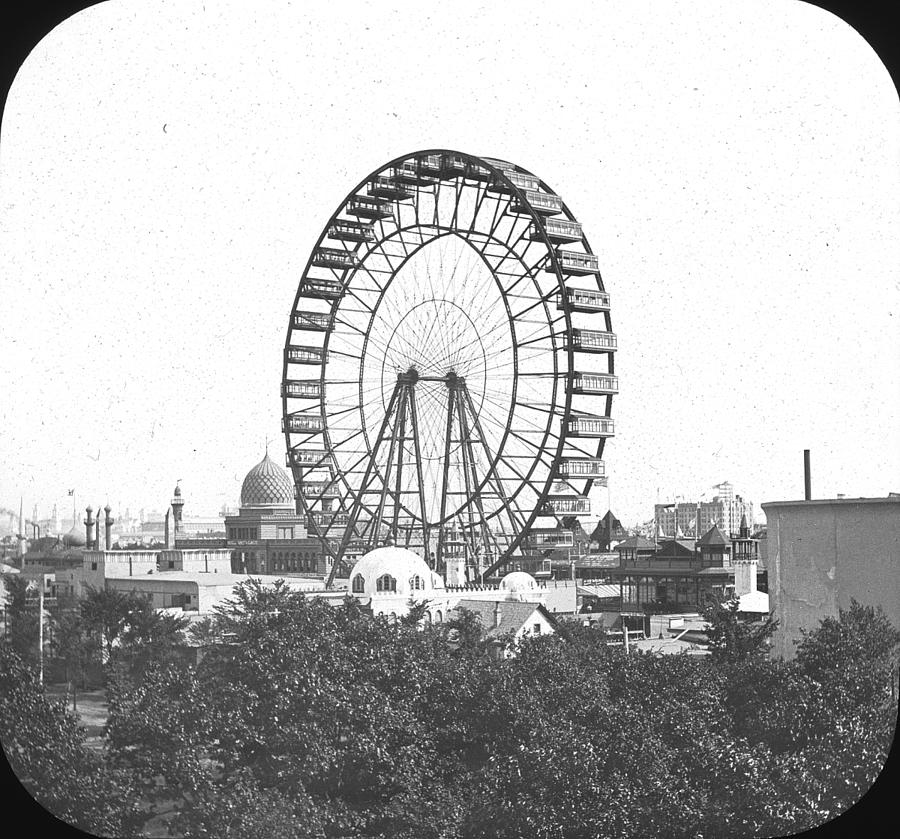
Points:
(449, 365)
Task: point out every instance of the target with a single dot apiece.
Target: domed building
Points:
(519, 585)
(267, 487)
(268, 535)
(389, 578)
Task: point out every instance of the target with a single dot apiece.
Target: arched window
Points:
(386, 583)
(438, 616)
(359, 584)
(416, 582)
(428, 619)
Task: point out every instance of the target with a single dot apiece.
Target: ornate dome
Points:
(392, 571)
(267, 485)
(75, 537)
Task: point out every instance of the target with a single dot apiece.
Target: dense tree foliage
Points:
(304, 719)
(44, 747)
(21, 616)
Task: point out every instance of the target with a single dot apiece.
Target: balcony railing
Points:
(334, 258)
(575, 262)
(311, 321)
(307, 457)
(577, 506)
(408, 172)
(551, 540)
(585, 426)
(351, 231)
(597, 383)
(302, 423)
(302, 388)
(366, 206)
(384, 187)
(544, 203)
(318, 489)
(590, 340)
(581, 467)
(517, 179)
(559, 230)
(582, 300)
(306, 355)
(325, 289)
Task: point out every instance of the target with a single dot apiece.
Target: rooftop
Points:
(513, 614)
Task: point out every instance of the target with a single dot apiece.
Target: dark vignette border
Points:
(23, 23)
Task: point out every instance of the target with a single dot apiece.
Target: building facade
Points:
(822, 554)
(688, 518)
(681, 574)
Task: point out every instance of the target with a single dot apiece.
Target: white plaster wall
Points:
(823, 553)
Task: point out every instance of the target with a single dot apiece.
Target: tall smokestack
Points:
(807, 482)
(20, 536)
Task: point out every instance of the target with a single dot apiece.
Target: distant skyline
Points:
(165, 170)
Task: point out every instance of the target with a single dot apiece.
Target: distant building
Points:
(505, 623)
(608, 533)
(823, 553)
(688, 518)
(681, 574)
(268, 535)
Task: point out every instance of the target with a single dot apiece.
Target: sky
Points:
(166, 168)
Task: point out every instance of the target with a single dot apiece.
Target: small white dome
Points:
(392, 571)
(518, 581)
(437, 581)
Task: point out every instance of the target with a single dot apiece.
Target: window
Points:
(386, 583)
(285, 532)
(537, 629)
(93, 566)
(438, 616)
(416, 582)
(359, 584)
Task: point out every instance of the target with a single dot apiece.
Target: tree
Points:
(45, 750)
(733, 639)
(74, 644)
(307, 719)
(854, 655)
(150, 636)
(108, 613)
(21, 616)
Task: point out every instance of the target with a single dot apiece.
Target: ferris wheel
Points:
(449, 366)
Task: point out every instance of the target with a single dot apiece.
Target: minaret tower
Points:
(109, 523)
(89, 530)
(177, 508)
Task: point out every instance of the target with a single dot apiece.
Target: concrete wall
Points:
(200, 560)
(823, 553)
(164, 594)
(559, 595)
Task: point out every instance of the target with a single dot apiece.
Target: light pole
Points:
(41, 632)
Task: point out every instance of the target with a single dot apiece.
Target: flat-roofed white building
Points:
(823, 553)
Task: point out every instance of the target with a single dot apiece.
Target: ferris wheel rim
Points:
(559, 379)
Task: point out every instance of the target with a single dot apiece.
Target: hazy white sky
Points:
(166, 167)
